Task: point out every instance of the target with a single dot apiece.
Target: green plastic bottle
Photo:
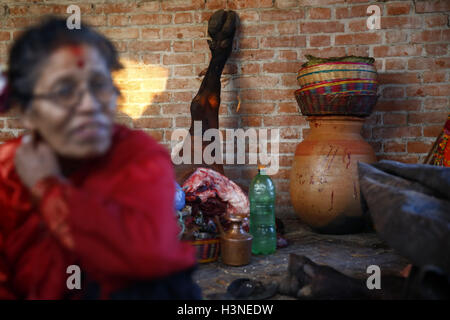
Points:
(262, 214)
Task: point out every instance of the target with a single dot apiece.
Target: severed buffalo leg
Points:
(308, 280)
(205, 105)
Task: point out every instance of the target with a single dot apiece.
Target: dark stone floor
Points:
(350, 254)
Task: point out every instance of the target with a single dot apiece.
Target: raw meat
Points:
(206, 183)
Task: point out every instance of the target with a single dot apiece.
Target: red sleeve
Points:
(131, 232)
(5, 292)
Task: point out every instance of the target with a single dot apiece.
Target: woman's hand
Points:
(35, 160)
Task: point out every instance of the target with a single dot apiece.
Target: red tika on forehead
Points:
(78, 52)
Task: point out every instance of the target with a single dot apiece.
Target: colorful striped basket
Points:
(333, 71)
(207, 249)
(344, 86)
(358, 103)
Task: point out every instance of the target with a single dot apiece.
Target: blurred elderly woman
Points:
(80, 189)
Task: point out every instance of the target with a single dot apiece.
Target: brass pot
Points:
(235, 244)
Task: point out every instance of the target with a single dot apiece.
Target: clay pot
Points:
(324, 183)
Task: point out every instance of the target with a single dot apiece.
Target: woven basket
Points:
(336, 71)
(358, 104)
(207, 249)
(344, 86)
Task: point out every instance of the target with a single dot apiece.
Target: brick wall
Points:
(163, 45)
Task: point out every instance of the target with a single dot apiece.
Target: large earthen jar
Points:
(324, 183)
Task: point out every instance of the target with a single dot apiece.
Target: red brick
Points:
(184, 58)
(358, 38)
(319, 27)
(319, 41)
(150, 33)
(396, 132)
(287, 28)
(360, 50)
(281, 67)
(174, 109)
(394, 119)
(399, 78)
(396, 36)
(404, 159)
(258, 30)
(250, 68)
(282, 4)
(426, 36)
(251, 121)
(433, 76)
(118, 20)
(398, 8)
(5, 36)
(358, 25)
(251, 95)
(291, 120)
(436, 49)
(287, 147)
(397, 51)
(256, 108)
(325, 52)
(392, 146)
(248, 43)
(287, 55)
(121, 33)
(250, 55)
(282, 15)
(395, 64)
(155, 134)
(215, 4)
(319, 2)
(432, 131)
(181, 96)
(182, 5)
(284, 41)
(428, 90)
(438, 20)
(185, 83)
(290, 133)
(248, 16)
(182, 46)
(289, 80)
(95, 20)
(117, 7)
(183, 17)
(143, 46)
(256, 82)
(154, 58)
(319, 13)
(288, 107)
(148, 6)
(432, 6)
(183, 32)
(152, 123)
(411, 22)
(427, 117)
(277, 95)
(393, 92)
(150, 19)
(440, 104)
(419, 146)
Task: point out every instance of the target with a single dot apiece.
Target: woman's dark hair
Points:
(37, 43)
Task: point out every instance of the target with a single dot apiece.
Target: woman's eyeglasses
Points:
(68, 93)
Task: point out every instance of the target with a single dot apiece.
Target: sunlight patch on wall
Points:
(139, 84)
